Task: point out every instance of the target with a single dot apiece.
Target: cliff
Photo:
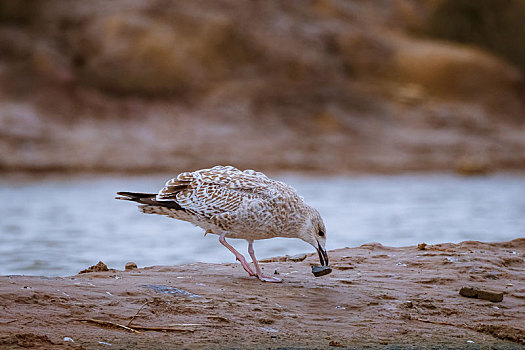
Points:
(300, 85)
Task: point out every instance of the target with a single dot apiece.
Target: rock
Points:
(130, 266)
(297, 258)
(100, 267)
(117, 44)
(336, 344)
(422, 246)
(142, 53)
(319, 271)
(468, 166)
(473, 292)
(446, 69)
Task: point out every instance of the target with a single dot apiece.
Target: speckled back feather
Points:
(247, 204)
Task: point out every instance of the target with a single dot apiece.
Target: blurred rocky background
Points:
(164, 85)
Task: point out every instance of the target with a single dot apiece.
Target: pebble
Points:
(319, 271)
(99, 267)
(336, 344)
(130, 266)
(473, 292)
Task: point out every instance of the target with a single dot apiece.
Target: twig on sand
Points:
(111, 324)
(176, 327)
(142, 307)
(164, 329)
(134, 329)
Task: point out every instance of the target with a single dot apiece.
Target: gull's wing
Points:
(221, 189)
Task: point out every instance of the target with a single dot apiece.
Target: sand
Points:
(376, 296)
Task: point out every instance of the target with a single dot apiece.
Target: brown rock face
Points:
(159, 53)
(170, 85)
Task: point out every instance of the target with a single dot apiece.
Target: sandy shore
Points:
(377, 296)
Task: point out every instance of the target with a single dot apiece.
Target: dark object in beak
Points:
(319, 271)
(323, 257)
(324, 269)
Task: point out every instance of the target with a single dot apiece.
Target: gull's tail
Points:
(135, 196)
(148, 199)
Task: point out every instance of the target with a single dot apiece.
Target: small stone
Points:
(276, 272)
(473, 292)
(130, 266)
(422, 246)
(100, 267)
(297, 258)
(319, 271)
(336, 344)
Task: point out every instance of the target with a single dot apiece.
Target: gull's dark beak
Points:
(323, 257)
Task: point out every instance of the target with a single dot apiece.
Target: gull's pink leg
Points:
(259, 274)
(239, 256)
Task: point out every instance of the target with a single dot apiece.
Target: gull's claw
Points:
(246, 267)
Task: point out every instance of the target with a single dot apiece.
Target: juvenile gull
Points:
(237, 204)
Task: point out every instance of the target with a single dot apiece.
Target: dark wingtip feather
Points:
(148, 199)
(134, 196)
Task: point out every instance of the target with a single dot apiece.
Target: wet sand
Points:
(376, 296)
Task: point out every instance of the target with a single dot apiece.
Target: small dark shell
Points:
(319, 271)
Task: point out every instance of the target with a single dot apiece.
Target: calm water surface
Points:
(59, 227)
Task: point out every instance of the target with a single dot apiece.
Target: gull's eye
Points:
(320, 233)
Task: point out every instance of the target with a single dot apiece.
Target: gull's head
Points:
(314, 232)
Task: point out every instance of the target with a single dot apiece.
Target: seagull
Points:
(238, 204)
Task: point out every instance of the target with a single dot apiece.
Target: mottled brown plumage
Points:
(239, 204)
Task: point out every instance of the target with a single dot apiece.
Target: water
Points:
(59, 227)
